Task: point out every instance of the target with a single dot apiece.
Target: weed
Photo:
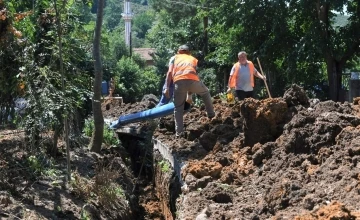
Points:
(85, 216)
(165, 166)
(198, 102)
(58, 208)
(80, 186)
(41, 165)
(102, 186)
(34, 164)
(223, 96)
(51, 172)
(225, 186)
(109, 137)
(88, 127)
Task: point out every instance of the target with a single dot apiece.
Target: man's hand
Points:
(228, 90)
(166, 93)
(264, 77)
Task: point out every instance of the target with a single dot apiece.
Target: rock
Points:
(208, 140)
(308, 202)
(5, 200)
(296, 96)
(203, 215)
(91, 212)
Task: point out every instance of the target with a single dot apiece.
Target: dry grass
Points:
(102, 187)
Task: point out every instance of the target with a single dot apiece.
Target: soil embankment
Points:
(282, 158)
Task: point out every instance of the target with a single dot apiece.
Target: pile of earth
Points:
(114, 108)
(281, 158)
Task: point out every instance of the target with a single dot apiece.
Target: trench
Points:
(157, 167)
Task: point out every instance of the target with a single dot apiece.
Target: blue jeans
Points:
(163, 99)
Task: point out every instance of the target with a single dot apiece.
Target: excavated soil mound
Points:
(280, 158)
(114, 108)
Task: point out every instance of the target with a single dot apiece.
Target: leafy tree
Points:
(134, 79)
(142, 23)
(150, 81)
(128, 77)
(112, 14)
(10, 50)
(208, 76)
(337, 44)
(48, 102)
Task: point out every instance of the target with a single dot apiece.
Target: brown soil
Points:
(114, 108)
(35, 187)
(273, 158)
(281, 158)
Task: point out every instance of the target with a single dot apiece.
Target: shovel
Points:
(267, 88)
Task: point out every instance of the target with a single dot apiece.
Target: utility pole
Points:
(127, 15)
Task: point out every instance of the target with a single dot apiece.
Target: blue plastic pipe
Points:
(156, 112)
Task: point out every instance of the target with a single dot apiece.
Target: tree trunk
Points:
(98, 133)
(334, 72)
(65, 118)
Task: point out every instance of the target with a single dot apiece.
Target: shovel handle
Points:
(262, 73)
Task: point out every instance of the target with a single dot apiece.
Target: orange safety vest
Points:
(185, 67)
(235, 75)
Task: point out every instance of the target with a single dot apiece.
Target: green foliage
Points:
(151, 81)
(109, 137)
(128, 76)
(88, 127)
(142, 23)
(51, 99)
(222, 96)
(209, 78)
(41, 165)
(198, 101)
(112, 14)
(34, 164)
(164, 165)
(134, 81)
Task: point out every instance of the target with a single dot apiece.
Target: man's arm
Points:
(259, 75)
(168, 80)
(230, 77)
(169, 76)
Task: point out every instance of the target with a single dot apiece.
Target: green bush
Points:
(150, 81)
(127, 76)
(133, 82)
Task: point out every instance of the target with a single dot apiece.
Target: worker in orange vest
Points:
(166, 99)
(242, 77)
(186, 80)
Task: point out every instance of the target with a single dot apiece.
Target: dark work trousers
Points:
(242, 94)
